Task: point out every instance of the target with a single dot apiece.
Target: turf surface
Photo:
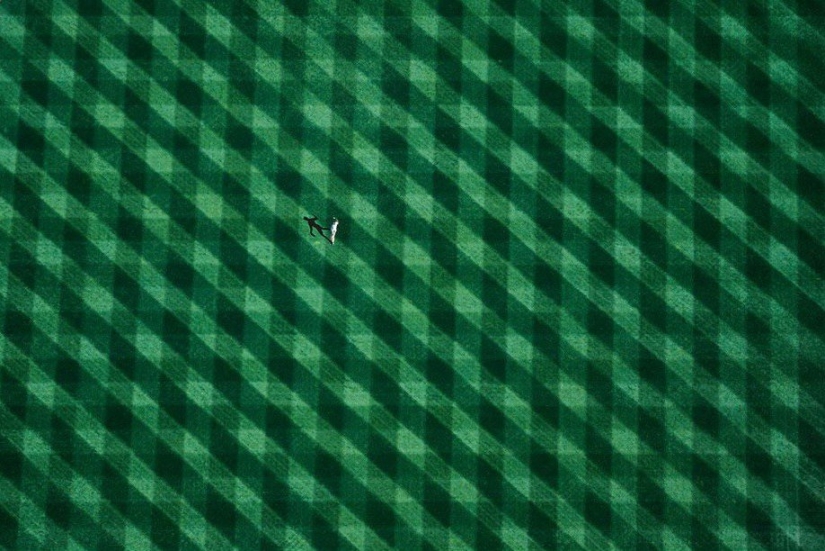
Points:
(576, 299)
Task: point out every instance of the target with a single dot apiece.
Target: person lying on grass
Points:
(333, 229)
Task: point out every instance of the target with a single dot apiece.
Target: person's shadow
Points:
(313, 225)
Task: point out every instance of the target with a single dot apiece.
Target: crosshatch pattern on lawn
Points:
(576, 299)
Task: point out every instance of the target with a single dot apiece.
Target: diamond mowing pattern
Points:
(576, 300)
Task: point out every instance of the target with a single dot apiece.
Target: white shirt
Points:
(333, 228)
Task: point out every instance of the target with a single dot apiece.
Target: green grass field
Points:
(576, 299)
